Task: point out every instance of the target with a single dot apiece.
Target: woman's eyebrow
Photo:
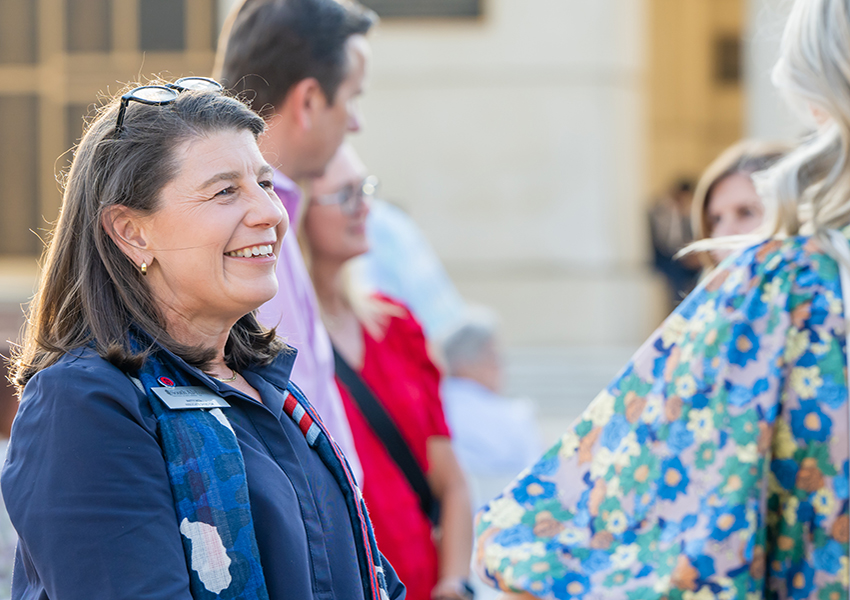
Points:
(228, 176)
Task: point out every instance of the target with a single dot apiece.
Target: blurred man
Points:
(670, 231)
(303, 64)
(493, 437)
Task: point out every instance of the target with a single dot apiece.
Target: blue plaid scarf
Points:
(210, 489)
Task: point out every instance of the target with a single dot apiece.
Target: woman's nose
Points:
(267, 210)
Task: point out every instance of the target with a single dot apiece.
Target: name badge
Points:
(183, 398)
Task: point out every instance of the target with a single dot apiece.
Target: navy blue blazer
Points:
(86, 487)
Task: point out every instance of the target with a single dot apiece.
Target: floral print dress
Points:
(715, 465)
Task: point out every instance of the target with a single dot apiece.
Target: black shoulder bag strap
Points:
(386, 430)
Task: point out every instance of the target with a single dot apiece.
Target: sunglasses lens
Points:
(154, 93)
(198, 84)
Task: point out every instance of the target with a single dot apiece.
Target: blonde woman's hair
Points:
(808, 191)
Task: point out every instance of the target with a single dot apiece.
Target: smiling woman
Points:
(157, 420)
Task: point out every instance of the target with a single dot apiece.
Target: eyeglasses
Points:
(160, 95)
(351, 197)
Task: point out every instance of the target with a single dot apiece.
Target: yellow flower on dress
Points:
(806, 381)
(728, 591)
(617, 522)
(704, 593)
(824, 501)
(569, 445)
(601, 409)
(773, 262)
(771, 291)
(625, 556)
(704, 315)
(822, 347)
(612, 488)
(686, 386)
(796, 343)
(653, 409)
(602, 460)
(687, 354)
(571, 536)
(673, 331)
(789, 513)
(701, 422)
(748, 453)
(836, 306)
(662, 585)
(784, 444)
(504, 512)
(736, 278)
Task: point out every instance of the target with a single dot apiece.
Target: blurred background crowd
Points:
(541, 157)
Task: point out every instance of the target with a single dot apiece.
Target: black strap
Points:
(386, 430)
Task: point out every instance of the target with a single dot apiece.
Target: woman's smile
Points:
(258, 253)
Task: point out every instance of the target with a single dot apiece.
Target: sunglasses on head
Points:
(160, 95)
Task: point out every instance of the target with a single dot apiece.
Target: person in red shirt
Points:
(382, 342)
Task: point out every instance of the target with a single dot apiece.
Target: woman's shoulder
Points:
(78, 379)
(398, 320)
(83, 363)
(794, 253)
(396, 312)
(796, 265)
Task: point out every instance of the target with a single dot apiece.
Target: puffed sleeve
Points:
(714, 460)
(86, 487)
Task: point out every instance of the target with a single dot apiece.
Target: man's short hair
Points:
(274, 44)
(472, 340)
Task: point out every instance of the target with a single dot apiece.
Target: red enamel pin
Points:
(166, 382)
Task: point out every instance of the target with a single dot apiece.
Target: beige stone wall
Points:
(518, 143)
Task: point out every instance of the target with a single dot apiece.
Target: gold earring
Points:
(144, 269)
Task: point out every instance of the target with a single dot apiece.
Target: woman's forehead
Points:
(345, 168)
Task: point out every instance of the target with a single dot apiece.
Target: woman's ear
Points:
(126, 228)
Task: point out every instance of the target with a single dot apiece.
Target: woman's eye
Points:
(267, 185)
(228, 191)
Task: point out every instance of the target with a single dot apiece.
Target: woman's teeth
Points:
(264, 250)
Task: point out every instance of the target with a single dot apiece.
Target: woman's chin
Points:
(259, 296)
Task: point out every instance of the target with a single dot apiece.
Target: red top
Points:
(405, 381)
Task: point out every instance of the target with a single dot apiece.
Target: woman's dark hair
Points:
(271, 45)
(90, 292)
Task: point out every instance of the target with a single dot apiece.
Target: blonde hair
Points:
(808, 191)
(373, 313)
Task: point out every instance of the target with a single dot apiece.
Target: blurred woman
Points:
(726, 202)
(382, 350)
(716, 464)
(160, 450)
